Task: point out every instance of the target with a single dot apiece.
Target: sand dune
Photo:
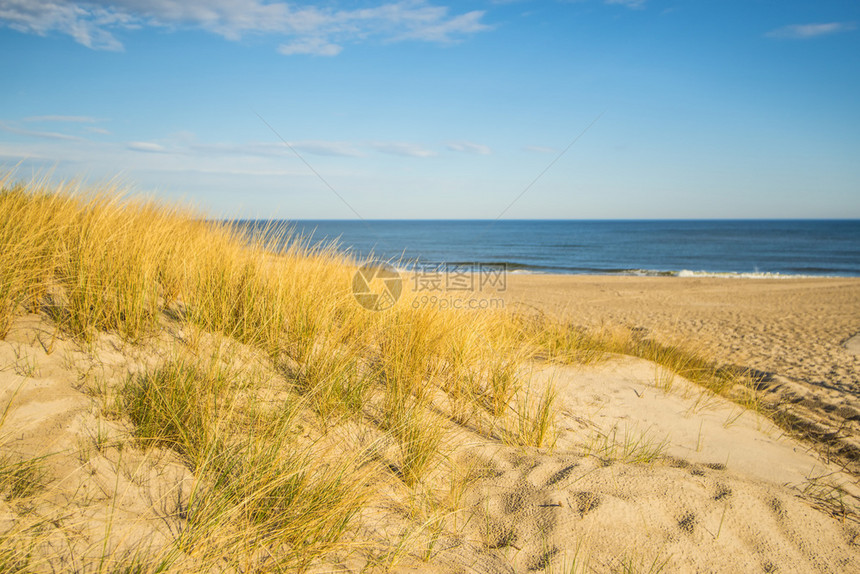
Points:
(797, 333)
(648, 472)
(671, 479)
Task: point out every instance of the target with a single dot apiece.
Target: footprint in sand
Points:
(586, 502)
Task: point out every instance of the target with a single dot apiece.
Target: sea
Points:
(727, 248)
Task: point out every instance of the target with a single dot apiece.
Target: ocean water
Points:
(745, 248)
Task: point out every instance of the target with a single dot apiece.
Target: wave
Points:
(751, 275)
(711, 274)
(519, 268)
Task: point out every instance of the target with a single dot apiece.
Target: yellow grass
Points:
(267, 495)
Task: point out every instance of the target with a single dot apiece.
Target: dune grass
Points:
(97, 262)
(22, 478)
(570, 344)
(633, 446)
(179, 406)
(267, 497)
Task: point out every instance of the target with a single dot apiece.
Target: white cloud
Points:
(87, 23)
(312, 46)
(100, 131)
(415, 21)
(250, 149)
(148, 147)
(806, 31)
(628, 3)
(68, 119)
(469, 147)
(341, 149)
(230, 171)
(36, 133)
(313, 147)
(277, 149)
(307, 29)
(402, 149)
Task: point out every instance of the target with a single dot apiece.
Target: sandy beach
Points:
(175, 400)
(797, 333)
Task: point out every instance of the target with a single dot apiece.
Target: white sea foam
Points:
(719, 274)
(751, 275)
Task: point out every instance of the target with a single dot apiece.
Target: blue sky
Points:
(434, 109)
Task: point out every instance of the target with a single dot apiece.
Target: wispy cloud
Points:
(147, 147)
(628, 3)
(179, 146)
(402, 149)
(278, 149)
(431, 23)
(341, 149)
(307, 29)
(311, 46)
(807, 31)
(249, 149)
(11, 128)
(64, 119)
(469, 147)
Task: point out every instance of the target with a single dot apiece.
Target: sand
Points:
(648, 471)
(801, 335)
(725, 498)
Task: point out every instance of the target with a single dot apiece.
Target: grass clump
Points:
(17, 549)
(21, 479)
(293, 506)
(106, 263)
(333, 381)
(534, 420)
(257, 481)
(831, 496)
(632, 446)
(419, 434)
(565, 343)
(28, 217)
(177, 406)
